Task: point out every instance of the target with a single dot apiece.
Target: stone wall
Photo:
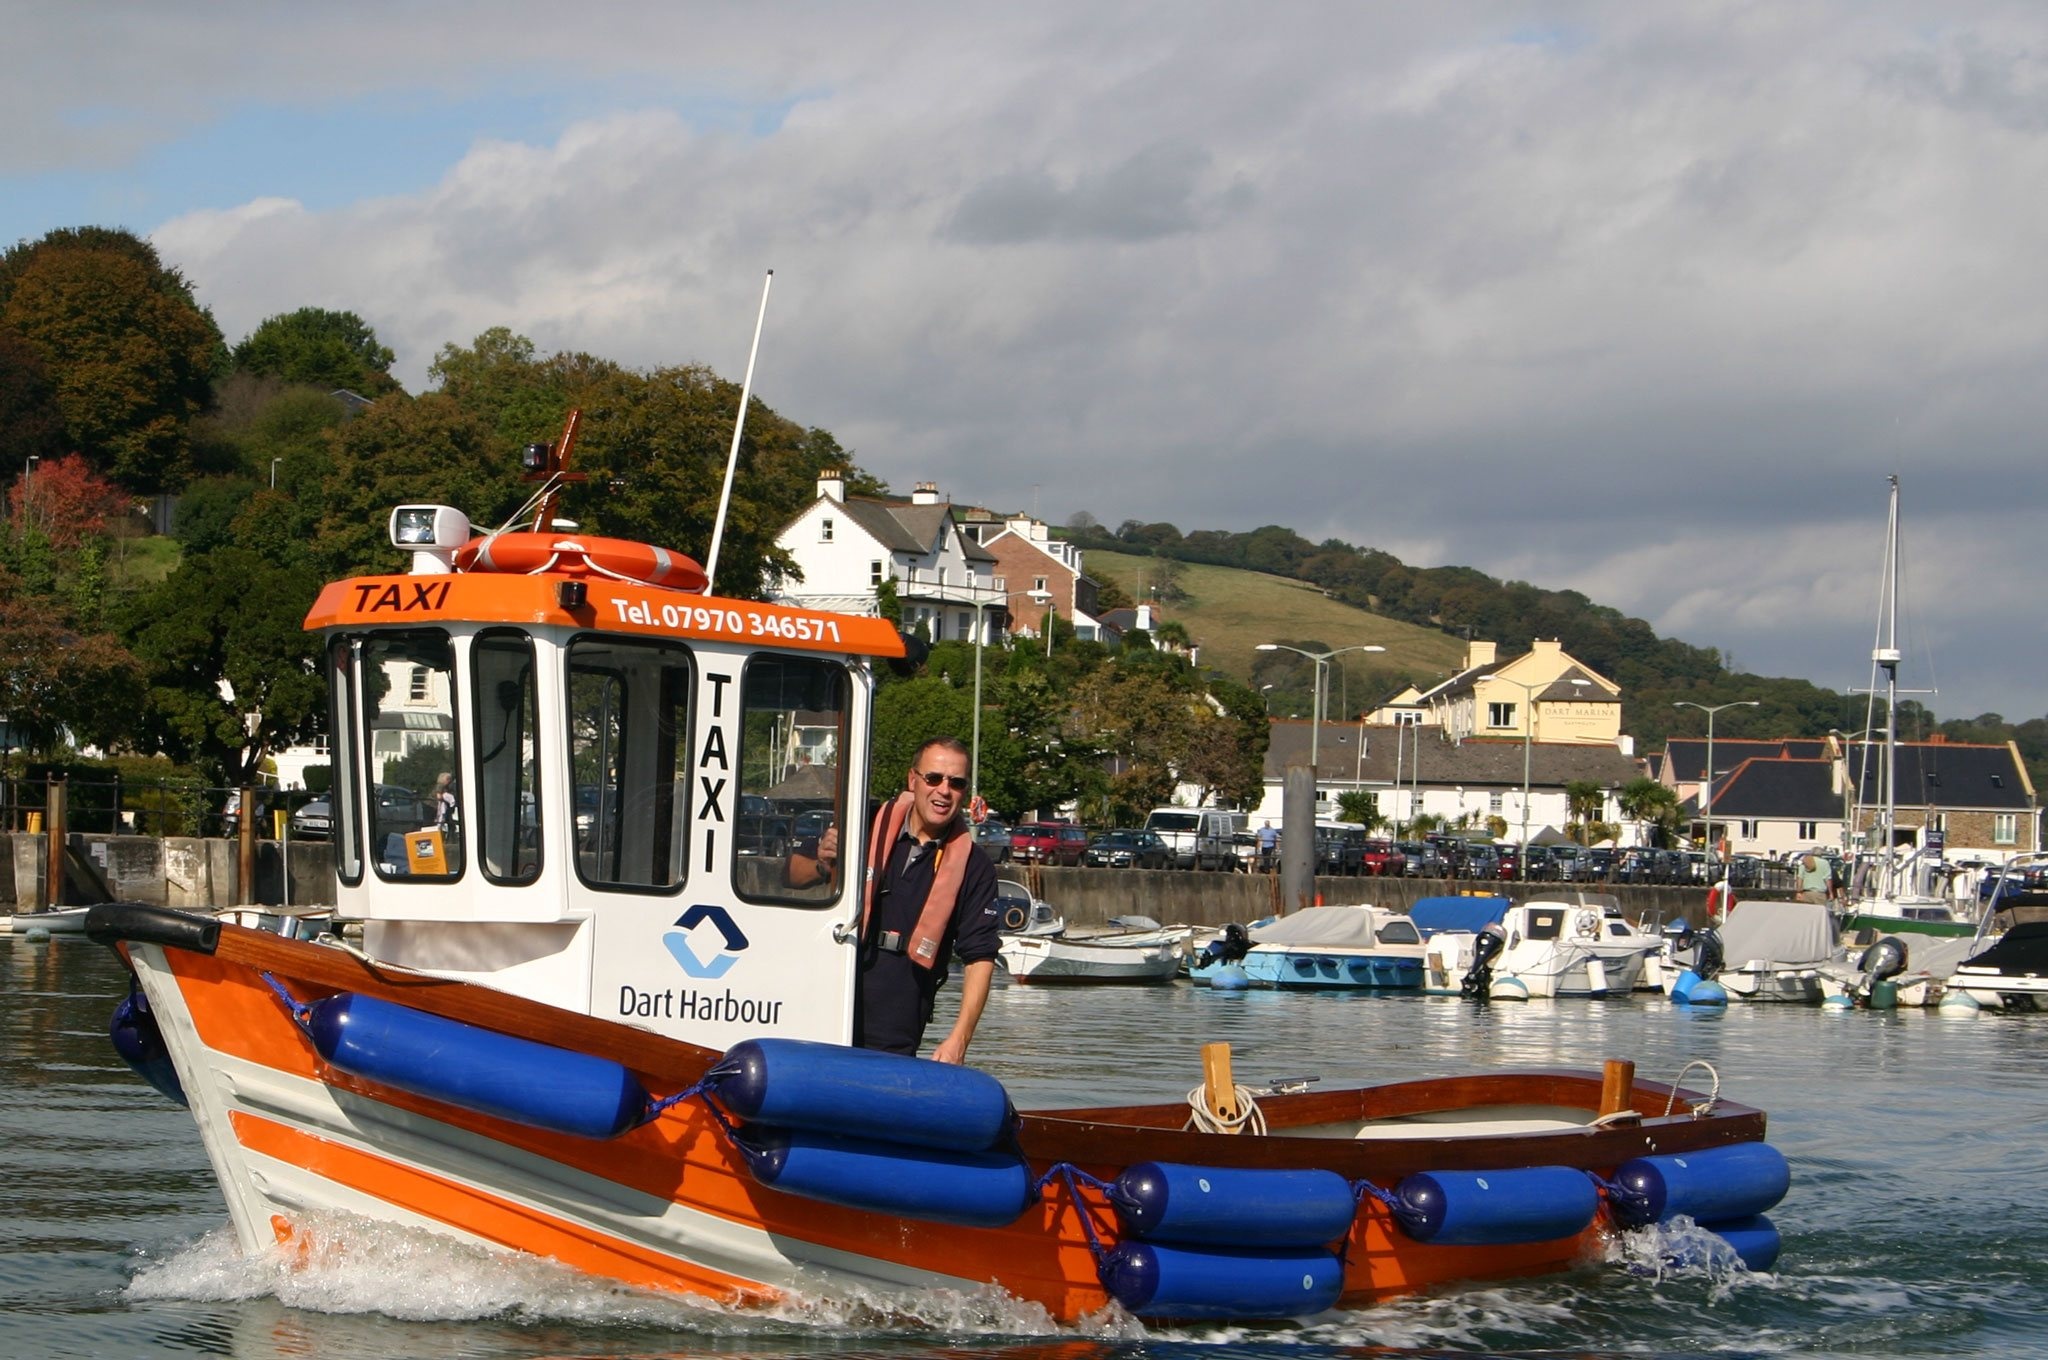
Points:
(175, 871)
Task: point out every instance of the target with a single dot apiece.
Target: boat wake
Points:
(343, 1264)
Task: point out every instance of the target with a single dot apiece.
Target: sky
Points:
(1643, 301)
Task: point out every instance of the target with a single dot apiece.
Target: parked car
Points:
(314, 821)
(1479, 861)
(993, 836)
(231, 811)
(1128, 850)
(762, 833)
(1381, 857)
(1048, 843)
(1542, 864)
(1198, 837)
(1244, 852)
(1421, 859)
(1508, 862)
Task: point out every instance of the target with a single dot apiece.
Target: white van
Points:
(1198, 837)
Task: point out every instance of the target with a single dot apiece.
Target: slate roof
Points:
(1796, 790)
(1686, 757)
(1476, 763)
(900, 526)
(1944, 775)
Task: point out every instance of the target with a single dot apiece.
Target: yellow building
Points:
(1543, 695)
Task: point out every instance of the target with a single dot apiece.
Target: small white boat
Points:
(58, 921)
(1567, 944)
(1772, 951)
(2006, 965)
(1347, 946)
(1022, 913)
(1134, 949)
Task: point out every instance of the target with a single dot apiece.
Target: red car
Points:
(1381, 857)
(1048, 843)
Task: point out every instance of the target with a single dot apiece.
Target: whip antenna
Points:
(732, 459)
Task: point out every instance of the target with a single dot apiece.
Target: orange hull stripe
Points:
(489, 1216)
(1043, 1257)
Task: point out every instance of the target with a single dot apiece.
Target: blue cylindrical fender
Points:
(1493, 1208)
(1158, 1281)
(497, 1074)
(1716, 1185)
(862, 1093)
(1755, 1239)
(978, 1189)
(1170, 1202)
(140, 1043)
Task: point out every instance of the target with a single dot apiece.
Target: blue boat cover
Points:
(1432, 914)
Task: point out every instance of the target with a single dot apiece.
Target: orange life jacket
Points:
(948, 870)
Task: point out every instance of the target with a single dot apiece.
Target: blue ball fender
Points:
(977, 1189)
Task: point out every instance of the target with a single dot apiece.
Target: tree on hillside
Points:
(231, 673)
(57, 678)
(31, 425)
(319, 348)
(129, 354)
(407, 451)
(64, 502)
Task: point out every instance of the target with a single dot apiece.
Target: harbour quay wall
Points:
(1181, 897)
(168, 871)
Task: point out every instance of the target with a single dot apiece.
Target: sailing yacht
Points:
(1895, 893)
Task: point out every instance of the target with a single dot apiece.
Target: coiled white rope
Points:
(1713, 1095)
(1202, 1119)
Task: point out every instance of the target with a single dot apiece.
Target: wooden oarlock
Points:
(1219, 1088)
(1617, 1086)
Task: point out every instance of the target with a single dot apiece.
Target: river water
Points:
(1919, 1164)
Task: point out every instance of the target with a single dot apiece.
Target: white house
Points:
(847, 546)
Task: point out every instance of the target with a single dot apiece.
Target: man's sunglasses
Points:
(933, 779)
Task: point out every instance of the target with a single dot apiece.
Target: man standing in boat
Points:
(930, 893)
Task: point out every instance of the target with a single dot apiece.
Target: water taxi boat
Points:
(588, 1019)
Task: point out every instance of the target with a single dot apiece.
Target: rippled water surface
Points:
(1919, 1164)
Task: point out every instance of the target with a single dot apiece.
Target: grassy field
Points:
(1229, 612)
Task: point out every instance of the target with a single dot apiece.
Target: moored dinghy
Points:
(1357, 946)
(602, 1028)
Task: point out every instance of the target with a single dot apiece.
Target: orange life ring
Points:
(1720, 901)
(531, 554)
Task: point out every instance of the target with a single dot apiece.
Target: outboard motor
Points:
(1884, 960)
(1486, 947)
(1709, 957)
(1233, 944)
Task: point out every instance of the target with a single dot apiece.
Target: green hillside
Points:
(1228, 612)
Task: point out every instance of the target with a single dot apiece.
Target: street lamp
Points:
(1044, 597)
(273, 472)
(1322, 660)
(1707, 799)
(1528, 689)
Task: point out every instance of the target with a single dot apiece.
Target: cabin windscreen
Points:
(628, 746)
(505, 708)
(342, 801)
(793, 742)
(412, 744)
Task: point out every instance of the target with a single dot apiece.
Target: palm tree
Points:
(1587, 800)
(1648, 802)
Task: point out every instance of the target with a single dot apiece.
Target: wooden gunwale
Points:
(1107, 1136)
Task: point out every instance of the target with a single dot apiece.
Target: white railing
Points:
(926, 584)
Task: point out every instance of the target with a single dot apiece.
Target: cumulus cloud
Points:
(1639, 301)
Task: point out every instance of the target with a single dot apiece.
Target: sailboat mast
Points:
(1886, 656)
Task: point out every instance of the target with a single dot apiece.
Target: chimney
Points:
(925, 493)
(832, 486)
(1478, 654)
(1545, 646)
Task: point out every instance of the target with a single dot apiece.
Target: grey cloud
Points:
(1156, 192)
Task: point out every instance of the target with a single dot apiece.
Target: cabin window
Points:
(792, 779)
(1546, 925)
(342, 801)
(413, 754)
(2005, 828)
(628, 754)
(505, 806)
